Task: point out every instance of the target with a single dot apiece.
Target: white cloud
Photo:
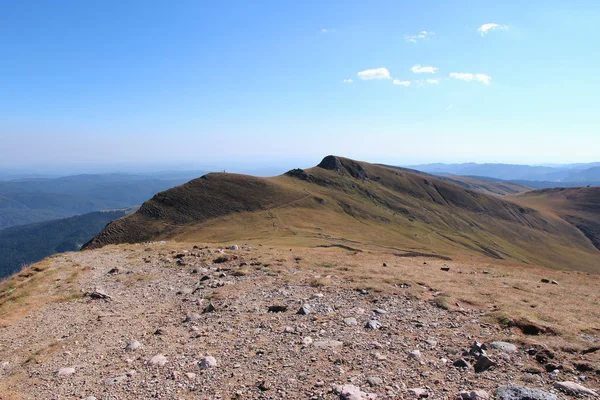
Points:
(449, 107)
(486, 28)
(375, 73)
(420, 36)
(324, 30)
(471, 77)
(418, 69)
(402, 83)
(432, 81)
(348, 81)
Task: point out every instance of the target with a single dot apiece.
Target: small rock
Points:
(574, 389)
(431, 342)
(379, 311)
(208, 362)
(374, 381)
(192, 317)
(418, 392)
(264, 386)
(65, 371)
(416, 354)
(554, 282)
(373, 324)
(234, 247)
(474, 395)
(317, 296)
(209, 308)
(504, 346)
(190, 375)
(133, 345)
(277, 309)
(289, 329)
(350, 321)
(445, 269)
(115, 380)
(185, 290)
(159, 360)
(462, 363)
(483, 364)
(304, 310)
(544, 280)
(323, 344)
(513, 392)
(90, 398)
(351, 392)
(307, 341)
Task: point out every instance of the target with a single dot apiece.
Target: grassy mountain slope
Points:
(578, 206)
(342, 201)
(30, 243)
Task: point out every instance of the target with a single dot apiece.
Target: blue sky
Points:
(198, 82)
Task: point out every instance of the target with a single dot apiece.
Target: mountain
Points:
(22, 245)
(341, 201)
(578, 206)
(514, 172)
(25, 201)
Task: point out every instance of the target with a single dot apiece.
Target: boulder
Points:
(513, 392)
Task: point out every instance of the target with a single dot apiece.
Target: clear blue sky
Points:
(209, 82)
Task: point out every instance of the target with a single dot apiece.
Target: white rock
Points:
(350, 321)
(208, 362)
(415, 354)
(351, 392)
(234, 247)
(574, 388)
(65, 371)
(504, 346)
(133, 345)
(418, 392)
(307, 341)
(159, 360)
(323, 344)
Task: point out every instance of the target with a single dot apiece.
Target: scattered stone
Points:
(98, 294)
(209, 308)
(133, 345)
(289, 329)
(379, 311)
(350, 321)
(307, 341)
(351, 392)
(263, 386)
(159, 360)
(234, 247)
(373, 324)
(190, 375)
(374, 381)
(418, 392)
(445, 269)
(208, 362)
(504, 346)
(185, 291)
(431, 342)
(317, 296)
(65, 371)
(544, 280)
(304, 310)
(416, 354)
(513, 392)
(192, 317)
(90, 398)
(323, 344)
(113, 271)
(574, 389)
(115, 380)
(483, 364)
(554, 282)
(462, 363)
(474, 395)
(276, 309)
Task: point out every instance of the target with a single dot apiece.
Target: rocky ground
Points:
(154, 321)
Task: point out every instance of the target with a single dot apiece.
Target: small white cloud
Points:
(419, 36)
(375, 73)
(449, 107)
(432, 81)
(463, 76)
(324, 30)
(348, 81)
(418, 69)
(486, 28)
(402, 83)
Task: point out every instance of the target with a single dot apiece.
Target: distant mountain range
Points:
(579, 174)
(21, 245)
(30, 200)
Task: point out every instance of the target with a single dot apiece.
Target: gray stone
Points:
(115, 380)
(418, 392)
(512, 392)
(307, 341)
(415, 354)
(504, 346)
(574, 388)
(133, 345)
(304, 310)
(350, 321)
(474, 395)
(324, 344)
(209, 308)
(351, 392)
(208, 362)
(483, 364)
(379, 311)
(185, 290)
(193, 317)
(234, 247)
(65, 371)
(159, 360)
(431, 342)
(373, 324)
(374, 381)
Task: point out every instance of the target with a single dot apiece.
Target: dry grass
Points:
(35, 286)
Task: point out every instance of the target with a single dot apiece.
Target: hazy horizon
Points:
(98, 86)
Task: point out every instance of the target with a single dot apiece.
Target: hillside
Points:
(578, 206)
(26, 201)
(342, 201)
(22, 245)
